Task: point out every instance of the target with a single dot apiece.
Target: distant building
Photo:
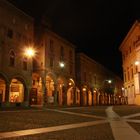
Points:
(97, 84)
(130, 49)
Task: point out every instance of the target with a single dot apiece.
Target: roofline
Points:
(19, 10)
(61, 38)
(128, 34)
(99, 64)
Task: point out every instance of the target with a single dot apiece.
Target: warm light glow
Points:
(70, 84)
(122, 88)
(94, 91)
(62, 65)
(29, 52)
(84, 89)
(136, 62)
(109, 81)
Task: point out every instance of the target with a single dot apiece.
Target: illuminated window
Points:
(16, 94)
(12, 59)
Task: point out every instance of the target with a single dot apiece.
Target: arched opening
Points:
(84, 95)
(101, 100)
(71, 97)
(77, 96)
(16, 94)
(95, 97)
(2, 90)
(50, 89)
(60, 91)
(90, 98)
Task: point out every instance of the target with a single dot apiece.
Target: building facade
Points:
(98, 85)
(55, 75)
(130, 49)
(16, 32)
(54, 68)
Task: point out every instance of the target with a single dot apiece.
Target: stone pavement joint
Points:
(121, 130)
(49, 129)
(130, 120)
(77, 114)
(131, 116)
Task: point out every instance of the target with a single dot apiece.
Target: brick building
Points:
(130, 49)
(56, 75)
(55, 60)
(97, 84)
(16, 33)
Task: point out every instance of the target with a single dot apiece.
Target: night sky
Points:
(96, 27)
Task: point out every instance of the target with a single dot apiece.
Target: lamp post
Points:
(29, 53)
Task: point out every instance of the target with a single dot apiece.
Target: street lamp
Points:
(29, 52)
(62, 64)
(136, 63)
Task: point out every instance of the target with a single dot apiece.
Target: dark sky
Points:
(96, 27)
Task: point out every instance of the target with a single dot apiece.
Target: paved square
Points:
(75, 123)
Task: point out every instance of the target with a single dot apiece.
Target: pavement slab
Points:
(121, 129)
(48, 129)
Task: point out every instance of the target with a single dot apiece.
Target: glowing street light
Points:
(122, 88)
(61, 64)
(84, 89)
(136, 63)
(109, 81)
(29, 52)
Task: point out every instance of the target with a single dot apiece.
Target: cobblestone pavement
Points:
(44, 118)
(20, 120)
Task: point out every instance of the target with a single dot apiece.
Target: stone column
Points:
(81, 98)
(87, 98)
(92, 93)
(27, 95)
(64, 95)
(7, 103)
(55, 95)
(74, 94)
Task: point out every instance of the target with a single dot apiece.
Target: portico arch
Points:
(17, 90)
(4, 88)
(71, 97)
